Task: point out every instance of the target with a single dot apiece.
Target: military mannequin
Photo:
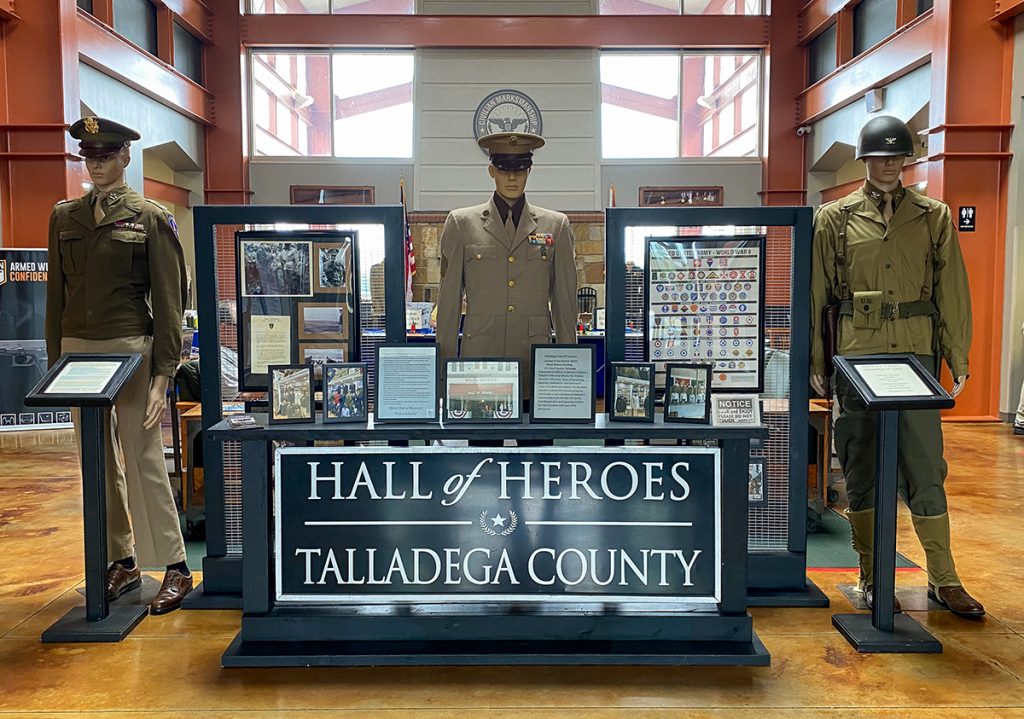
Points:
(891, 259)
(116, 283)
(514, 262)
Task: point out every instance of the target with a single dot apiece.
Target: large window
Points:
(338, 7)
(685, 7)
(344, 104)
(689, 104)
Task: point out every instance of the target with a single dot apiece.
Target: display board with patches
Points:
(704, 301)
(292, 288)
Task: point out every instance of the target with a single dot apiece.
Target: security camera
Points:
(804, 130)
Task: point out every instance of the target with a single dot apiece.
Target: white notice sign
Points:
(893, 380)
(83, 378)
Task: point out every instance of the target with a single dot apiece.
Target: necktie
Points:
(510, 226)
(98, 212)
(887, 210)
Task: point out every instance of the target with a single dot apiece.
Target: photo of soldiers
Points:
(633, 396)
(291, 396)
(332, 263)
(686, 392)
(755, 481)
(344, 392)
(276, 269)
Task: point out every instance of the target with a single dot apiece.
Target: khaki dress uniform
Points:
(907, 293)
(118, 285)
(519, 283)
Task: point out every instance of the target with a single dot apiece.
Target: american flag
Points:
(410, 255)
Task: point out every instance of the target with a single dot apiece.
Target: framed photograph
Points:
(704, 299)
(632, 392)
(345, 392)
(687, 393)
(275, 268)
(406, 388)
(321, 353)
(482, 390)
(332, 268)
(736, 410)
(291, 394)
(562, 383)
(323, 321)
(757, 489)
(87, 379)
(599, 319)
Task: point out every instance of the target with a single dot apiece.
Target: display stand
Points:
(91, 382)
(888, 384)
(778, 568)
(498, 629)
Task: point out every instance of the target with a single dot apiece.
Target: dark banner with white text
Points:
(22, 340)
(384, 524)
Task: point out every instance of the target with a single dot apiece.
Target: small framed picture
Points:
(632, 390)
(332, 267)
(406, 387)
(598, 319)
(686, 392)
(291, 393)
(322, 321)
(483, 390)
(562, 383)
(345, 392)
(275, 268)
(736, 410)
(320, 353)
(757, 490)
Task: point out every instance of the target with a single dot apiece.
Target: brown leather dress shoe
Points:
(121, 580)
(957, 600)
(869, 599)
(175, 587)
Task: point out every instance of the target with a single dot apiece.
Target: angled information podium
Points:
(91, 382)
(477, 555)
(888, 384)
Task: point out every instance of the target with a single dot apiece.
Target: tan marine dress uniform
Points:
(905, 291)
(116, 284)
(519, 280)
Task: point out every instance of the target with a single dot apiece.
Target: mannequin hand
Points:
(958, 384)
(818, 384)
(155, 401)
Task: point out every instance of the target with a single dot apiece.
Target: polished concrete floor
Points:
(170, 665)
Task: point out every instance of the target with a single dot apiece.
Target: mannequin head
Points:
(884, 172)
(509, 184)
(107, 171)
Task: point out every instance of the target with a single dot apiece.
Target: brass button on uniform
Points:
(511, 283)
(479, 256)
(511, 258)
(511, 308)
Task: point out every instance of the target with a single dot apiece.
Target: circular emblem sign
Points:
(506, 111)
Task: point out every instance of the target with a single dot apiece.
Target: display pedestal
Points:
(884, 631)
(97, 621)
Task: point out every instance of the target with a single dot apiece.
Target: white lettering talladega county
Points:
(452, 566)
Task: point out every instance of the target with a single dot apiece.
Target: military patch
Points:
(173, 224)
(542, 238)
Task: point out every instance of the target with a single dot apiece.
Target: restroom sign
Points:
(966, 219)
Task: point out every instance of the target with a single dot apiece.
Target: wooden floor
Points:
(170, 667)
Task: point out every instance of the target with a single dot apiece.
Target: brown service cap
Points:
(98, 136)
(511, 150)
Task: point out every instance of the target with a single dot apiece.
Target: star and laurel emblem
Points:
(498, 525)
